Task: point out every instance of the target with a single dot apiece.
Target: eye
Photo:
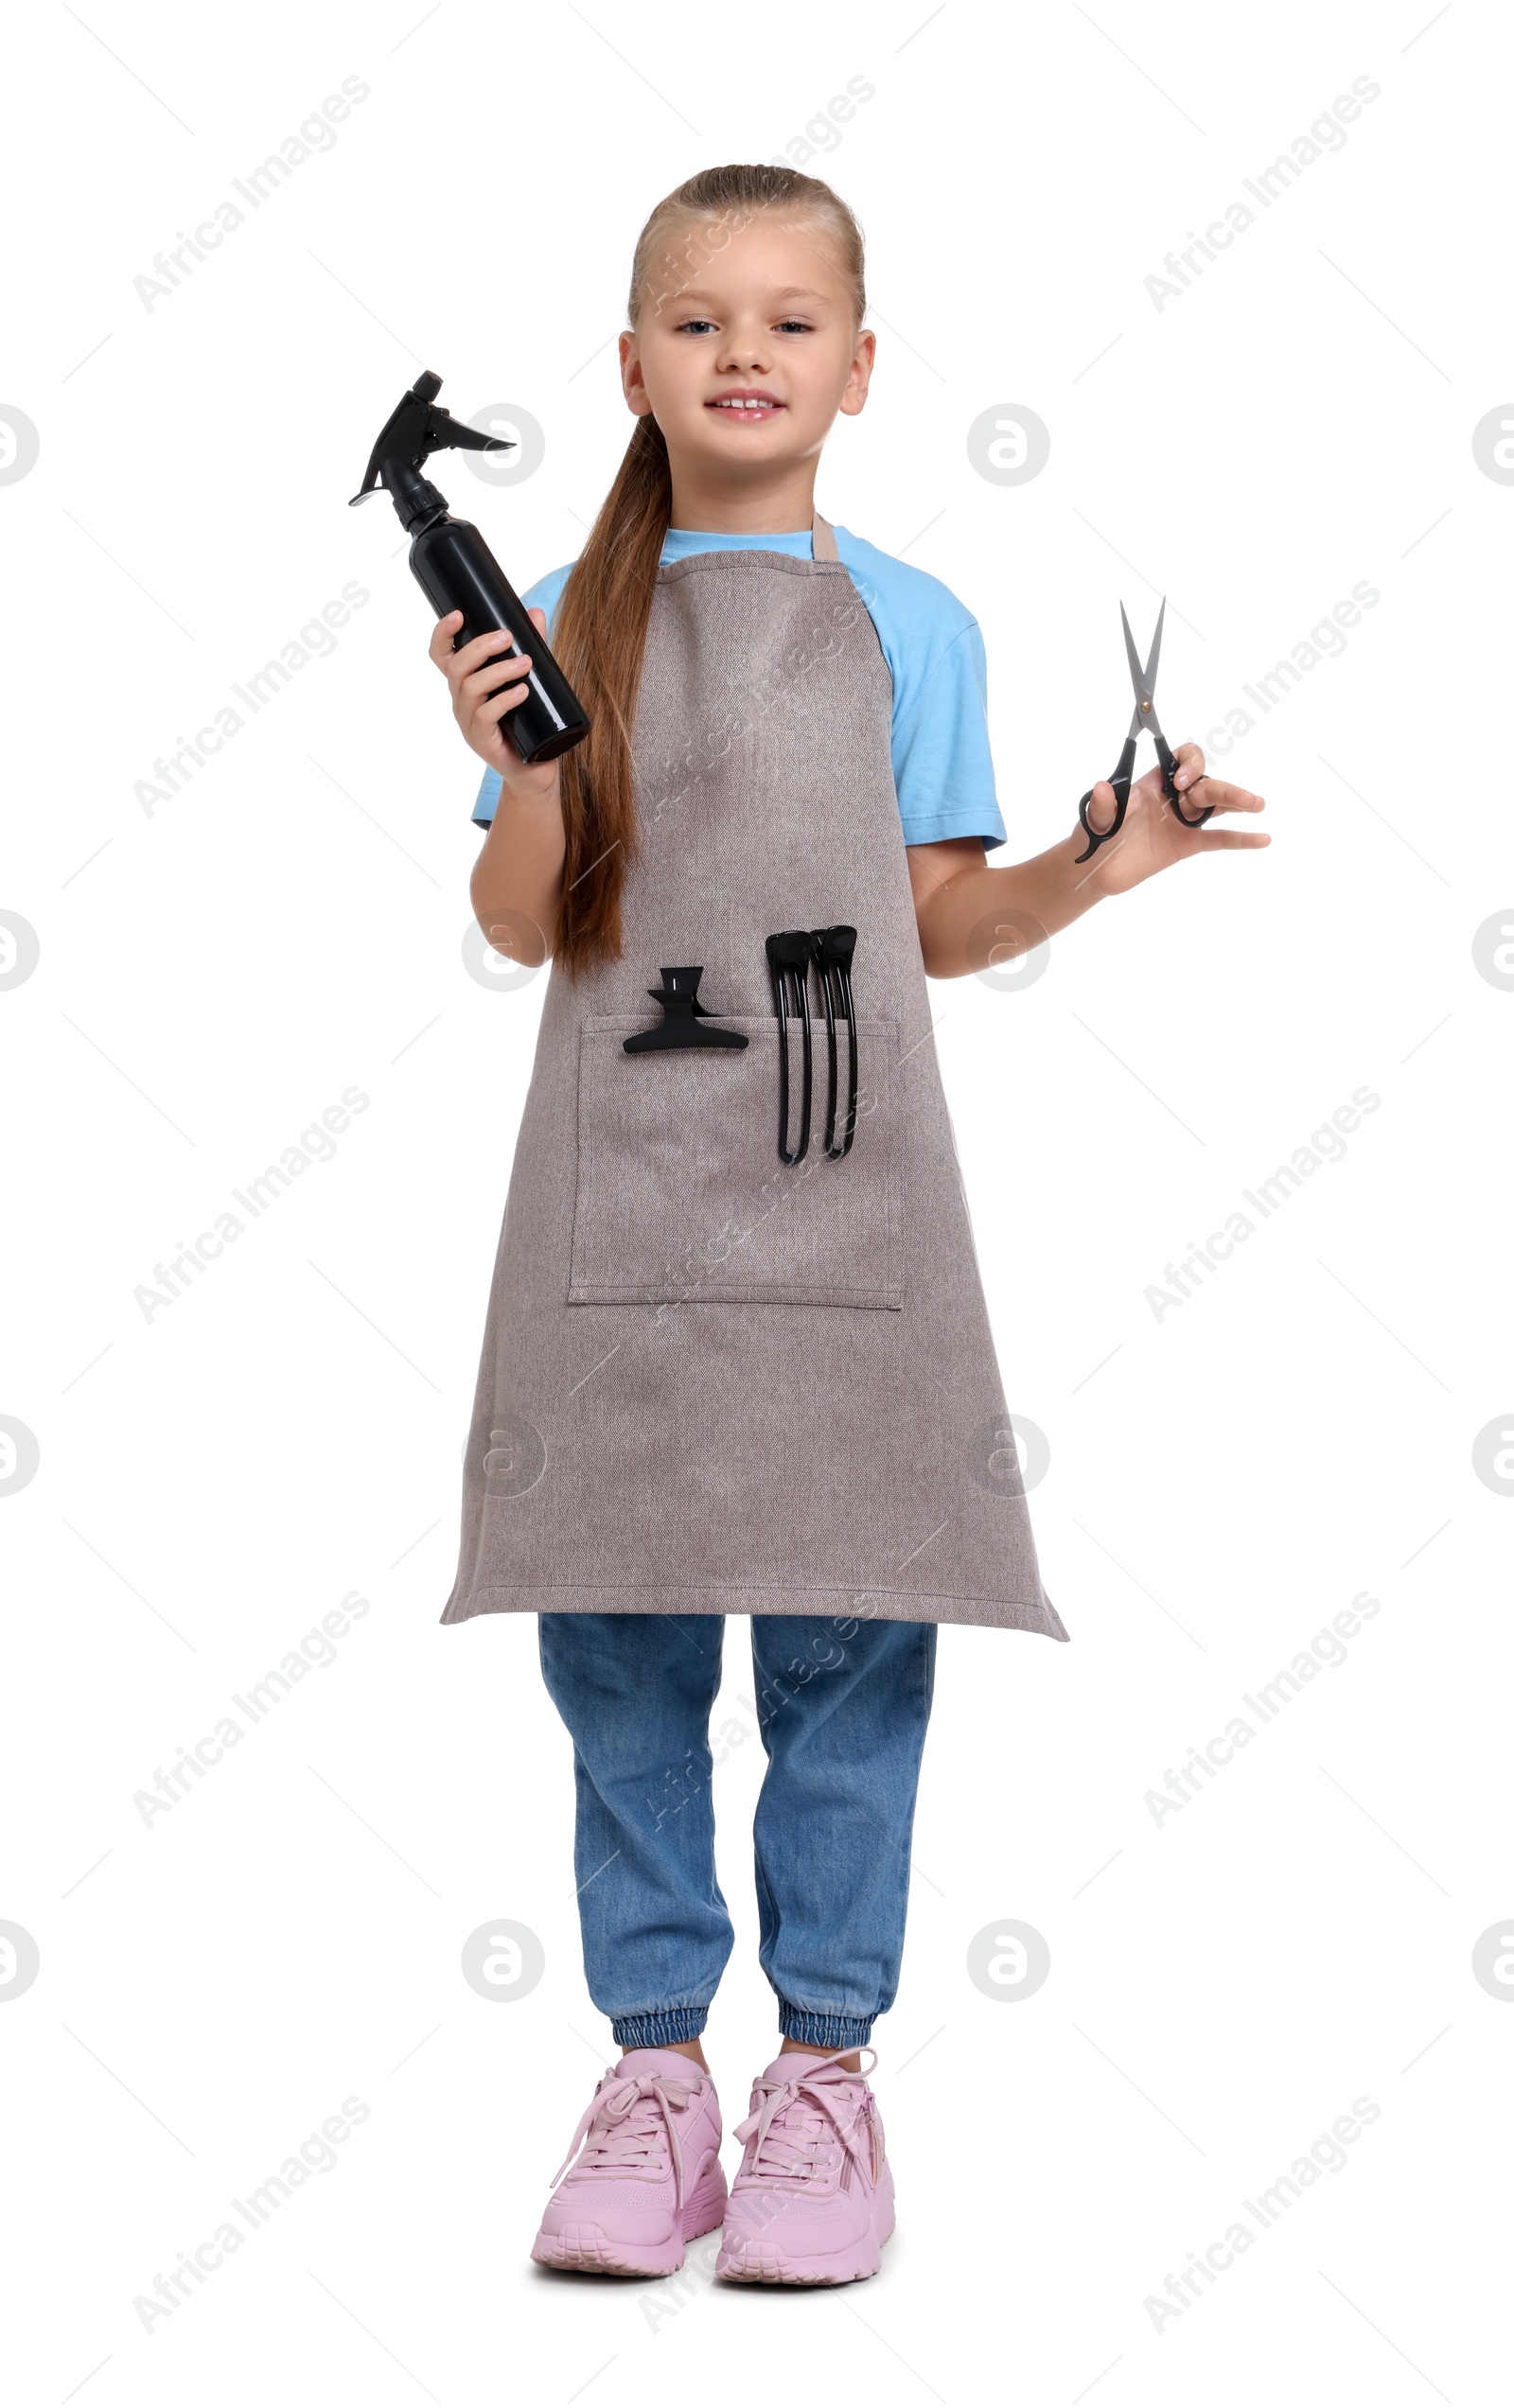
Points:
(694, 325)
(793, 326)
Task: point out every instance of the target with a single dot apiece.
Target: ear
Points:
(638, 400)
(856, 392)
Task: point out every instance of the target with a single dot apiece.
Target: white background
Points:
(1223, 1481)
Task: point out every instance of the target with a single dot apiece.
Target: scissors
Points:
(1144, 681)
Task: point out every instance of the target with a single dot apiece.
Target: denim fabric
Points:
(842, 1707)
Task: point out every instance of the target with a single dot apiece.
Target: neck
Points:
(779, 500)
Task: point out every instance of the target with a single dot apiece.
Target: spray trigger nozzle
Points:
(417, 427)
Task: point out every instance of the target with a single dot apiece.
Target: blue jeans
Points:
(843, 1707)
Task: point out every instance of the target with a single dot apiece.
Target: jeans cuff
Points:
(660, 2028)
(819, 2028)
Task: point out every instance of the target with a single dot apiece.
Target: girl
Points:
(737, 1358)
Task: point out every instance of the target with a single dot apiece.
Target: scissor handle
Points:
(1165, 756)
(1121, 781)
(1100, 836)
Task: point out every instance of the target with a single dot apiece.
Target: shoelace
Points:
(792, 2123)
(626, 2121)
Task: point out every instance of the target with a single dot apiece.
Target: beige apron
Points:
(711, 1383)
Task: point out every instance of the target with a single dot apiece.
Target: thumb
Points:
(1102, 807)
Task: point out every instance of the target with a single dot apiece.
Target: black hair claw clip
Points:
(834, 951)
(789, 955)
(683, 1017)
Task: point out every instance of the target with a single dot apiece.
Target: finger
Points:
(492, 707)
(1190, 766)
(456, 665)
(1102, 807)
(538, 619)
(484, 652)
(1215, 796)
(483, 681)
(1229, 839)
(440, 646)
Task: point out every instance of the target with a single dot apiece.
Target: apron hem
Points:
(896, 1604)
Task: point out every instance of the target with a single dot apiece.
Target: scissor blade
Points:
(1155, 652)
(1138, 676)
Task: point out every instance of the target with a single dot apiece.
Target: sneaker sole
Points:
(760, 2261)
(587, 2249)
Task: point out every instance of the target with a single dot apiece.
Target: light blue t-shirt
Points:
(943, 768)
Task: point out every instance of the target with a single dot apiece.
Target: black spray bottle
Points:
(456, 570)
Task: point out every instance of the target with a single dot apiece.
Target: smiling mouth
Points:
(747, 406)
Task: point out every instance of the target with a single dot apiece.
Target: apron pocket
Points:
(681, 1197)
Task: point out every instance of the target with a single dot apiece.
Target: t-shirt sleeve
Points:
(943, 766)
(543, 595)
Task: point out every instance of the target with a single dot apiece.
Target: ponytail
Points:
(600, 634)
(599, 639)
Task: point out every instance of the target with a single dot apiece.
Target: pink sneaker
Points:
(813, 2200)
(648, 2176)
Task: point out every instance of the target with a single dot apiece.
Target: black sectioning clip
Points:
(683, 1017)
(833, 948)
(789, 955)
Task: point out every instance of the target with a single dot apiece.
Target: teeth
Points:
(746, 405)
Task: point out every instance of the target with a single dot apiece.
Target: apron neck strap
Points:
(823, 540)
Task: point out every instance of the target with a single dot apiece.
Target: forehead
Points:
(775, 259)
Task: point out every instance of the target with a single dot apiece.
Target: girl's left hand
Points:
(1154, 838)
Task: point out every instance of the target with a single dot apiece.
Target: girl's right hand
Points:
(473, 673)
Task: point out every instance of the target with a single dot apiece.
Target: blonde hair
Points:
(600, 634)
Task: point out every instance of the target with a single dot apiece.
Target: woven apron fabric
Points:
(710, 1382)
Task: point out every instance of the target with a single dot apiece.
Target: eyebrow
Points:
(688, 295)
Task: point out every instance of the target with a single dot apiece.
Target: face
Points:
(745, 365)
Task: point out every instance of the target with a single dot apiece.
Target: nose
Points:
(745, 350)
